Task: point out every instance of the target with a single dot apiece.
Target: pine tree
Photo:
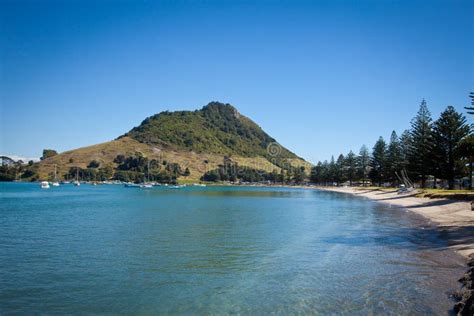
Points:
(340, 169)
(378, 161)
(466, 150)
(448, 132)
(363, 161)
(332, 172)
(351, 167)
(316, 173)
(394, 158)
(421, 149)
(325, 176)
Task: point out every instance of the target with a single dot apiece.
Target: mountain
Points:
(217, 128)
(198, 140)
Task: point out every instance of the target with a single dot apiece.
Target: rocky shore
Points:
(465, 296)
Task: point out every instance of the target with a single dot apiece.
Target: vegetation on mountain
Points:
(11, 170)
(231, 171)
(217, 128)
(93, 164)
(48, 153)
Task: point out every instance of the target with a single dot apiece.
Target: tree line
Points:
(231, 171)
(135, 168)
(442, 149)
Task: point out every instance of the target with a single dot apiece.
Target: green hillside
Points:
(217, 128)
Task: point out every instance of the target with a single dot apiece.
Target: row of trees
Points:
(232, 172)
(441, 149)
(136, 168)
(11, 170)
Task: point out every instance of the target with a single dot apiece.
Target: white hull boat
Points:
(44, 185)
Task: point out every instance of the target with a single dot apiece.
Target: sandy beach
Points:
(454, 218)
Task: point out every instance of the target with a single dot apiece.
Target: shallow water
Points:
(111, 249)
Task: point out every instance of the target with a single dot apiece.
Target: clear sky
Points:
(322, 77)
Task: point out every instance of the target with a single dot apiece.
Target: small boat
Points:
(44, 185)
(55, 183)
(132, 185)
(176, 186)
(77, 183)
(146, 183)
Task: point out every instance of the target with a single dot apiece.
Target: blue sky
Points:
(322, 77)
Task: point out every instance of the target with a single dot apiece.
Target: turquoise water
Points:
(215, 250)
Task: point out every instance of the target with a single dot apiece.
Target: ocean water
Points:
(216, 250)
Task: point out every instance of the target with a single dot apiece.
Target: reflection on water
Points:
(109, 249)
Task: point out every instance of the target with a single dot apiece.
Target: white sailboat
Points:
(147, 184)
(77, 183)
(55, 182)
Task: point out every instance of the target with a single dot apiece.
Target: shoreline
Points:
(453, 218)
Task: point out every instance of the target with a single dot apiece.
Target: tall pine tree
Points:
(394, 158)
(466, 150)
(378, 162)
(332, 171)
(316, 173)
(351, 167)
(448, 132)
(363, 162)
(421, 149)
(340, 167)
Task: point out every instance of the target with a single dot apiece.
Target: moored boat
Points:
(55, 183)
(44, 185)
(77, 183)
(131, 185)
(177, 186)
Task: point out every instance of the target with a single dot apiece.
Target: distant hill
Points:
(198, 140)
(217, 128)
